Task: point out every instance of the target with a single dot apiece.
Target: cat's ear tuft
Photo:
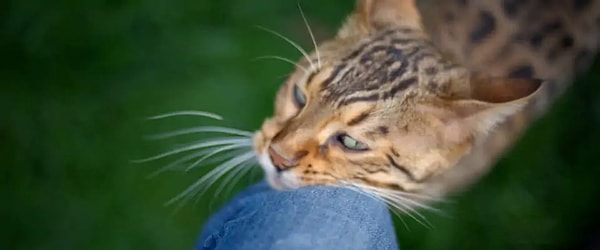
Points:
(372, 15)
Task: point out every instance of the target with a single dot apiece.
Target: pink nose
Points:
(280, 162)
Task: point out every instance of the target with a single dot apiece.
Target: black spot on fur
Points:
(544, 31)
(551, 27)
(487, 25)
(511, 7)
(580, 4)
(384, 130)
(567, 42)
(431, 71)
(536, 40)
(523, 71)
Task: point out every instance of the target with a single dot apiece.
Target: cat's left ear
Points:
(372, 15)
(481, 104)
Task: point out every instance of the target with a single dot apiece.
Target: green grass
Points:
(77, 79)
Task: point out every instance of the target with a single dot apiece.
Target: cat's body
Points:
(396, 106)
(552, 40)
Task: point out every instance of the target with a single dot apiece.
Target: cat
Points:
(397, 105)
(409, 103)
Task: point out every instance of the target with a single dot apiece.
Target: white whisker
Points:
(407, 194)
(400, 195)
(254, 174)
(298, 47)
(180, 161)
(312, 36)
(285, 60)
(246, 169)
(420, 218)
(187, 113)
(231, 179)
(230, 166)
(399, 216)
(214, 152)
(205, 144)
(204, 155)
(223, 156)
(378, 198)
(417, 204)
(421, 196)
(201, 184)
(396, 200)
(202, 129)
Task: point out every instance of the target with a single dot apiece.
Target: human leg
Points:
(307, 218)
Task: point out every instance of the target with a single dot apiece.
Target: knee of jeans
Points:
(321, 241)
(309, 218)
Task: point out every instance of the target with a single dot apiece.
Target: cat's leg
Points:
(308, 218)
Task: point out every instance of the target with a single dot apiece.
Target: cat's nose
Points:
(282, 162)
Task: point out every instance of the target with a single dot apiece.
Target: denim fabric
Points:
(307, 218)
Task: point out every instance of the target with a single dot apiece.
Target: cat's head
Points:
(380, 106)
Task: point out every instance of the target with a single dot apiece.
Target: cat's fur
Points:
(435, 101)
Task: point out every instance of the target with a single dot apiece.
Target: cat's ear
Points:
(372, 15)
(484, 103)
(501, 90)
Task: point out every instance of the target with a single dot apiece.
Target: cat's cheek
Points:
(269, 170)
(259, 142)
(266, 164)
(289, 180)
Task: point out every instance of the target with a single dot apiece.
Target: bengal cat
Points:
(412, 104)
(405, 105)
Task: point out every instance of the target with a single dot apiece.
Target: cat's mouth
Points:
(280, 180)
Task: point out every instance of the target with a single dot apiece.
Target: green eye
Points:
(299, 97)
(352, 144)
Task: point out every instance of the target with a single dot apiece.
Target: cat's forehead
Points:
(384, 66)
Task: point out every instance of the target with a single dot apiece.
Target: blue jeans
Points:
(308, 218)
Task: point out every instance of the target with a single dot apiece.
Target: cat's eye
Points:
(299, 97)
(351, 143)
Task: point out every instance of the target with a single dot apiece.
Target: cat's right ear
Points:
(480, 104)
(373, 15)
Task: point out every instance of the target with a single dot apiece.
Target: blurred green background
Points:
(78, 78)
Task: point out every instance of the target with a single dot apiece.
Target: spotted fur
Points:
(425, 93)
(551, 40)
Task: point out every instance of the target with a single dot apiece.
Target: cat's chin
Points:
(277, 180)
(278, 184)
